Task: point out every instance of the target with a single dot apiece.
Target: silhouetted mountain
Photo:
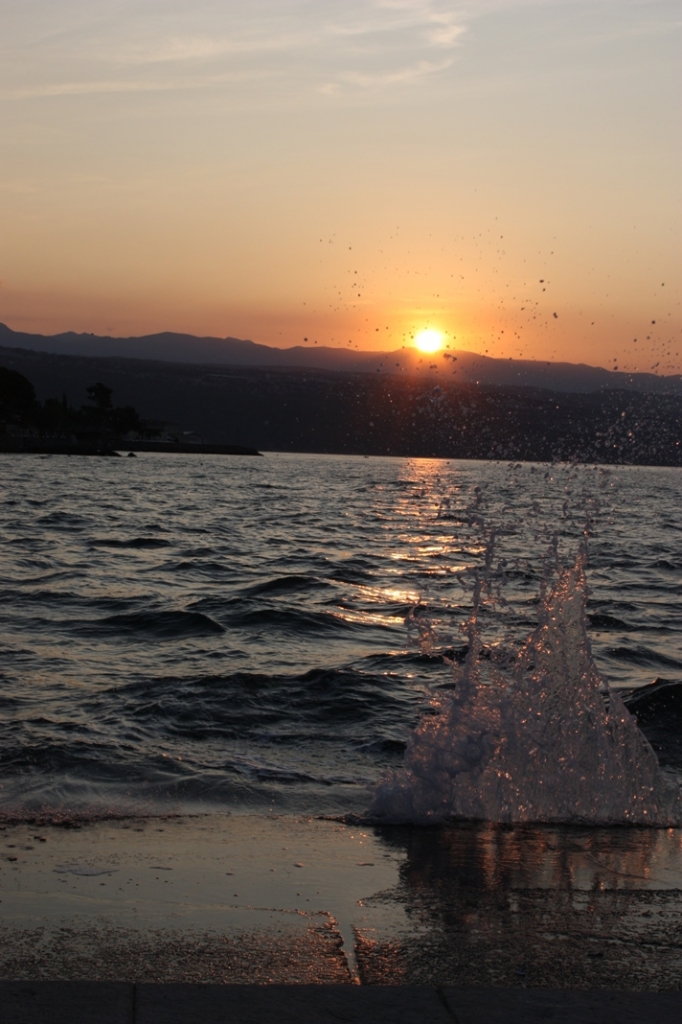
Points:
(464, 367)
(364, 413)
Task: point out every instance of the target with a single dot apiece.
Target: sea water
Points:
(322, 635)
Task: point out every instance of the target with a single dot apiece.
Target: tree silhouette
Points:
(17, 396)
(100, 394)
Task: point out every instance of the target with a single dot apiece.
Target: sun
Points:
(428, 341)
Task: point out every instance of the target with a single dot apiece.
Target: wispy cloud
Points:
(446, 35)
(189, 49)
(319, 46)
(91, 88)
(374, 21)
(378, 80)
(85, 89)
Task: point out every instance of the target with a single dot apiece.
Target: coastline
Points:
(47, 446)
(254, 899)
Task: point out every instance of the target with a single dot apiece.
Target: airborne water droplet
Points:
(582, 760)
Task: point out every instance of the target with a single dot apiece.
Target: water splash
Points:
(533, 734)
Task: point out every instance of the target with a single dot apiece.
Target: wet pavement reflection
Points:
(528, 905)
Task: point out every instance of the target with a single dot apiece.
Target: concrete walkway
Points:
(57, 1002)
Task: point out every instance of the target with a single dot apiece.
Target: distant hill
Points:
(313, 410)
(453, 366)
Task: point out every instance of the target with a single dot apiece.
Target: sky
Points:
(347, 172)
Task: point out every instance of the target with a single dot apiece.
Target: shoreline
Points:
(245, 898)
(28, 446)
(19, 446)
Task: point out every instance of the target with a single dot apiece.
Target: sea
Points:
(191, 633)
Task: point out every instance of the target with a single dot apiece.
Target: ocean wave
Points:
(646, 656)
(292, 621)
(286, 585)
(160, 625)
(600, 620)
(64, 520)
(320, 703)
(134, 543)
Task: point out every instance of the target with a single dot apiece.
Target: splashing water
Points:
(545, 741)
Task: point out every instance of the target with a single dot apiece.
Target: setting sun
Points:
(428, 341)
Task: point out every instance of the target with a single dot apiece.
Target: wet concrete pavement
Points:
(240, 900)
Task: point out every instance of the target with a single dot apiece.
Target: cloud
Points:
(446, 35)
(84, 89)
(314, 46)
(179, 49)
(91, 88)
(377, 80)
(385, 24)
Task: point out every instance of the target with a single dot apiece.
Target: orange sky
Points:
(284, 170)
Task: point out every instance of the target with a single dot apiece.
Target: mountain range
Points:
(429, 414)
(454, 366)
